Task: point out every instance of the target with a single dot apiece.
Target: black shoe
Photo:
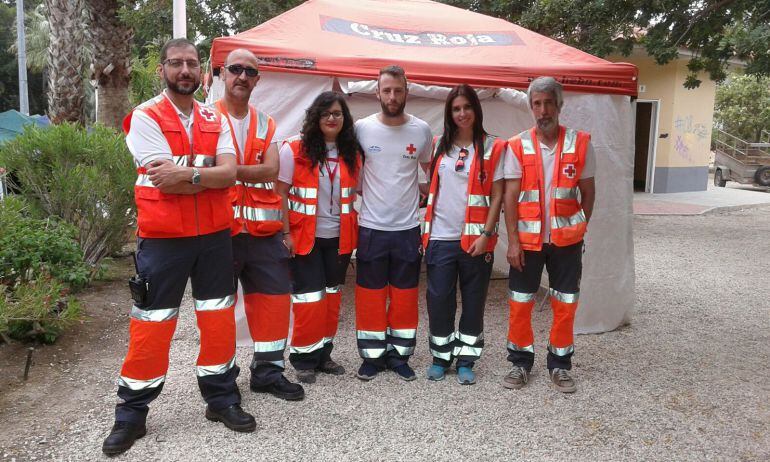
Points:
(282, 388)
(234, 418)
(122, 437)
(331, 367)
(367, 371)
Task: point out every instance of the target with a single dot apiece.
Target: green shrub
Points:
(85, 177)
(31, 248)
(38, 310)
(40, 264)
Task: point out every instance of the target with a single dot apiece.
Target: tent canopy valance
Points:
(436, 44)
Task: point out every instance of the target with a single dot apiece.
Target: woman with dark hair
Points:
(460, 233)
(317, 181)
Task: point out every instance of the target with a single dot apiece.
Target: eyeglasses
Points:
(237, 69)
(460, 164)
(178, 63)
(334, 114)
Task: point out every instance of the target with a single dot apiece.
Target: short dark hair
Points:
(176, 43)
(393, 70)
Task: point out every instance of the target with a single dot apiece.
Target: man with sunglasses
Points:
(186, 165)
(389, 246)
(261, 260)
(548, 200)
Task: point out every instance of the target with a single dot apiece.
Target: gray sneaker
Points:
(562, 380)
(516, 379)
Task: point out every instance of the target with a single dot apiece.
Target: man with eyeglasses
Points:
(186, 165)
(548, 200)
(389, 244)
(261, 260)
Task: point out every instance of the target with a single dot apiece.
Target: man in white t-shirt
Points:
(549, 198)
(260, 258)
(395, 144)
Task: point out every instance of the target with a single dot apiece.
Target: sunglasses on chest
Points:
(460, 164)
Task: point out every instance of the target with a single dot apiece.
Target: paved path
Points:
(686, 380)
(734, 196)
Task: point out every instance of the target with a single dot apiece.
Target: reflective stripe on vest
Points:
(568, 221)
(478, 195)
(303, 199)
(166, 215)
(256, 207)
(254, 214)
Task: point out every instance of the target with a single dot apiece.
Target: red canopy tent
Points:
(435, 43)
(338, 44)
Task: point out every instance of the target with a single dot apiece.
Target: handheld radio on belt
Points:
(139, 286)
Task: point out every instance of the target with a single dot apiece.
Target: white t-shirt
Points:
(449, 206)
(390, 196)
(146, 142)
(327, 223)
(512, 169)
(240, 132)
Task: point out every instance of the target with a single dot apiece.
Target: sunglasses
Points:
(460, 164)
(237, 69)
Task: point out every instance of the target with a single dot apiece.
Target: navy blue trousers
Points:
(448, 266)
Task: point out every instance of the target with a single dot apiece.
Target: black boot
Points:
(234, 418)
(122, 437)
(282, 388)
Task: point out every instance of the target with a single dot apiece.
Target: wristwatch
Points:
(196, 178)
(487, 233)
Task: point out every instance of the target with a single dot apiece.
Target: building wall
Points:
(685, 120)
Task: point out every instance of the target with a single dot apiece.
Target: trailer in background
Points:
(741, 161)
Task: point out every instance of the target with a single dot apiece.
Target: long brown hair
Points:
(450, 128)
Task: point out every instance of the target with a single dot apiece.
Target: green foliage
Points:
(39, 310)
(40, 263)
(83, 177)
(145, 82)
(31, 248)
(9, 69)
(714, 30)
(206, 20)
(742, 106)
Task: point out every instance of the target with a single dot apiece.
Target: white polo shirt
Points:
(512, 170)
(449, 208)
(390, 195)
(146, 142)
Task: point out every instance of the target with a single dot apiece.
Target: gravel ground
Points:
(686, 380)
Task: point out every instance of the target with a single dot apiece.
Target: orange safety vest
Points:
(303, 202)
(161, 215)
(256, 207)
(479, 195)
(568, 221)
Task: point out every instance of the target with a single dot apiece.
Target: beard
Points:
(546, 123)
(399, 110)
(187, 88)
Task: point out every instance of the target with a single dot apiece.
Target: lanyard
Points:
(332, 174)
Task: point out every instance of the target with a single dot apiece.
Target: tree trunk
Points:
(111, 67)
(65, 61)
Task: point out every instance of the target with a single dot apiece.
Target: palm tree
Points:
(111, 39)
(65, 60)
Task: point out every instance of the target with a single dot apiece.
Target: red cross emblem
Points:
(411, 149)
(207, 114)
(570, 171)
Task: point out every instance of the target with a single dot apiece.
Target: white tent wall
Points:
(607, 288)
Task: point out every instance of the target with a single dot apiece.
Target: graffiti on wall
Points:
(689, 135)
